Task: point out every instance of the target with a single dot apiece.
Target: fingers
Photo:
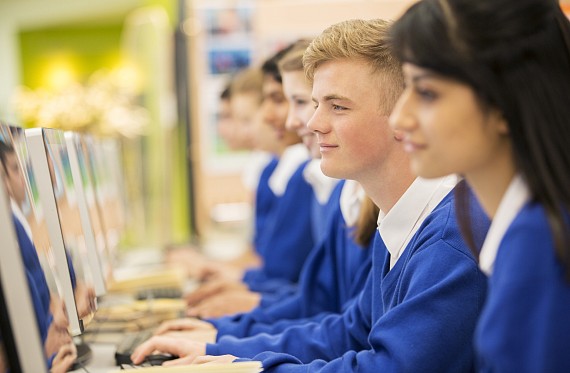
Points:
(160, 343)
(205, 291)
(174, 346)
(186, 324)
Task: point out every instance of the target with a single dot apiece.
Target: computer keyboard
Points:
(128, 344)
(157, 293)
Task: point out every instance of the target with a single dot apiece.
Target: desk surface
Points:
(103, 360)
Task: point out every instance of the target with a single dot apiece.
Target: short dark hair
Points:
(517, 60)
(5, 149)
(270, 67)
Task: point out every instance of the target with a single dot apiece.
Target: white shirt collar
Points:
(516, 196)
(351, 197)
(21, 218)
(289, 161)
(401, 223)
(322, 184)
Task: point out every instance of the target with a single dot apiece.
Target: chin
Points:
(427, 173)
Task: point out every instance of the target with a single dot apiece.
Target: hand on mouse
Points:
(187, 350)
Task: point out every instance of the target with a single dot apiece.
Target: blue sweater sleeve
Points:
(332, 277)
(287, 238)
(329, 338)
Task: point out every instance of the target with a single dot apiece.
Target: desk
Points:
(103, 360)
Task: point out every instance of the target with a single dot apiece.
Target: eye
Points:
(338, 107)
(426, 94)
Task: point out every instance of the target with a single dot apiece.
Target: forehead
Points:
(351, 78)
(271, 86)
(295, 81)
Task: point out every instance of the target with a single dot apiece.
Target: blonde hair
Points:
(293, 59)
(364, 40)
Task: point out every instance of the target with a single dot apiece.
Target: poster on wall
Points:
(228, 47)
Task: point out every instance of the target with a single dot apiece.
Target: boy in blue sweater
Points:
(337, 268)
(424, 292)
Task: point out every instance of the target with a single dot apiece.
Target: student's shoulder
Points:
(528, 242)
(441, 229)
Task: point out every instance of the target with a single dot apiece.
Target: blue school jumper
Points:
(334, 275)
(525, 325)
(37, 283)
(264, 200)
(288, 239)
(418, 316)
(326, 198)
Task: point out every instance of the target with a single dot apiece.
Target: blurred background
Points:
(149, 73)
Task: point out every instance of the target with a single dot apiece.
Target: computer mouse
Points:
(158, 359)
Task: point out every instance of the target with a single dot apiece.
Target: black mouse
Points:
(158, 359)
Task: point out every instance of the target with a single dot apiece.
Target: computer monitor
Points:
(21, 348)
(27, 209)
(50, 162)
(104, 194)
(86, 204)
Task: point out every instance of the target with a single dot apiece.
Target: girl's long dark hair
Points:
(516, 58)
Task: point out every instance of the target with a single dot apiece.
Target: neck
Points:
(386, 185)
(490, 183)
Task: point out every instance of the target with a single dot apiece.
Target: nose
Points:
(292, 123)
(401, 118)
(268, 112)
(316, 123)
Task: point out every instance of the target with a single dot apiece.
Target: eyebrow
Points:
(422, 76)
(332, 97)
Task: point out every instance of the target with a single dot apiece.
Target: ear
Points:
(499, 122)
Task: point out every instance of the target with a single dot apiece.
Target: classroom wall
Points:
(304, 18)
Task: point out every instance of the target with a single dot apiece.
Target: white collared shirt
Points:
(516, 196)
(321, 183)
(21, 218)
(253, 168)
(289, 162)
(401, 223)
(351, 197)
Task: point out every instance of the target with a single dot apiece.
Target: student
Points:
(418, 309)
(490, 103)
(58, 345)
(337, 268)
(283, 248)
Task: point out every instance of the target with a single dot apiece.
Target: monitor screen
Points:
(21, 347)
(90, 218)
(103, 157)
(27, 209)
(50, 162)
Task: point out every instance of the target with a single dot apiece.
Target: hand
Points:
(206, 336)
(55, 339)
(59, 312)
(186, 324)
(210, 289)
(186, 350)
(64, 359)
(227, 303)
(85, 297)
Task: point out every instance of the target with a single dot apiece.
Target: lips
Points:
(327, 147)
(410, 146)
